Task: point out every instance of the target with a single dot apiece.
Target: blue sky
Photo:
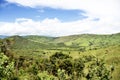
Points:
(59, 17)
(12, 11)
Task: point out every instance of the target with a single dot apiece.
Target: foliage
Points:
(78, 67)
(98, 71)
(6, 67)
(61, 74)
(45, 76)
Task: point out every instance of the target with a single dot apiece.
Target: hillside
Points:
(39, 44)
(38, 56)
(39, 39)
(24, 43)
(89, 41)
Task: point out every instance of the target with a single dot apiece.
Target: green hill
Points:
(20, 42)
(37, 51)
(89, 41)
(39, 39)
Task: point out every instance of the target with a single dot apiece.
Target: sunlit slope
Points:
(88, 41)
(23, 43)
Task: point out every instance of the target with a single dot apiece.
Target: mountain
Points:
(20, 42)
(76, 41)
(3, 36)
(39, 39)
(87, 41)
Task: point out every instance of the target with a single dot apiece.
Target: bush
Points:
(98, 71)
(6, 67)
(60, 61)
(45, 76)
(79, 67)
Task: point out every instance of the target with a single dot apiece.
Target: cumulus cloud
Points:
(103, 18)
(100, 8)
(54, 27)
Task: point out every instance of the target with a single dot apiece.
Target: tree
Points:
(61, 61)
(79, 67)
(6, 48)
(6, 67)
(98, 71)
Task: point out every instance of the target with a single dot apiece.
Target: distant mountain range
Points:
(3, 36)
(87, 41)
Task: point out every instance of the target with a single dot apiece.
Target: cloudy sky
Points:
(59, 17)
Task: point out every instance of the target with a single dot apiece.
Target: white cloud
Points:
(100, 8)
(106, 10)
(54, 27)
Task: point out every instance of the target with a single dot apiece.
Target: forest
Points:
(75, 57)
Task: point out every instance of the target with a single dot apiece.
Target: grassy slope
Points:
(108, 47)
(112, 57)
(87, 40)
(39, 39)
(24, 43)
(74, 42)
(81, 39)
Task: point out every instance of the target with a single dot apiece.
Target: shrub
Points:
(6, 67)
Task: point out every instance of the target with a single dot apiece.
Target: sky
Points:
(59, 17)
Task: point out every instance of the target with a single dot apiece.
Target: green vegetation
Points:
(6, 67)
(76, 57)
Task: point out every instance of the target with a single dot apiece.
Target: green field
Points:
(75, 57)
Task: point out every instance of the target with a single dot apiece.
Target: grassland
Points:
(105, 47)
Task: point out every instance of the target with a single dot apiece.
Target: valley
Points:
(64, 58)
